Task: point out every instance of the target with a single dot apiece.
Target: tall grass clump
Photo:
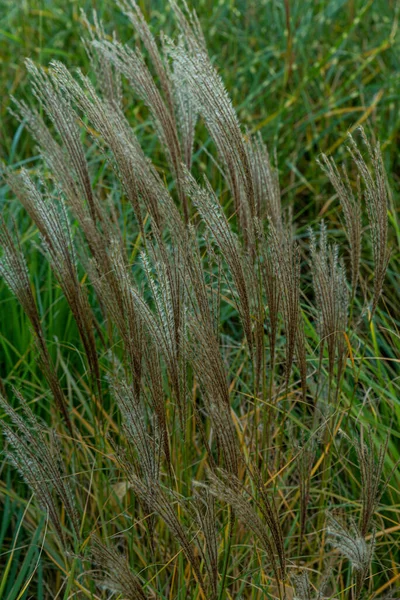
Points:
(203, 433)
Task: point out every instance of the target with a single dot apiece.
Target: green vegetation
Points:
(199, 352)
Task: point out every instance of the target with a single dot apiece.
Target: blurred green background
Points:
(303, 72)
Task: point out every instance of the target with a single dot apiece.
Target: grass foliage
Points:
(200, 273)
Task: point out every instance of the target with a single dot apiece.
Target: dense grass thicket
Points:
(199, 337)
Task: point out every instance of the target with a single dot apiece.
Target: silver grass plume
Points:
(36, 454)
(63, 117)
(267, 194)
(205, 356)
(206, 202)
(136, 17)
(206, 517)
(131, 64)
(178, 100)
(375, 195)
(155, 393)
(185, 109)
(353, 546)
(214, 105)
(65, 162)
(111, 278)
(189, 25)
(58, 162)
(114, 571)
(302, 586)
(372, 483)
(229, 489)
(107, 118)
(214, 282)
(185, 103)
(166, 324)
(108, 79)
(303, 589)
(143, 439)
(161, 502)
(14, 271)
(271, 289)
(142, 183)
(52, 223)
(330, 288)
(351, 206)
(285, 256)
